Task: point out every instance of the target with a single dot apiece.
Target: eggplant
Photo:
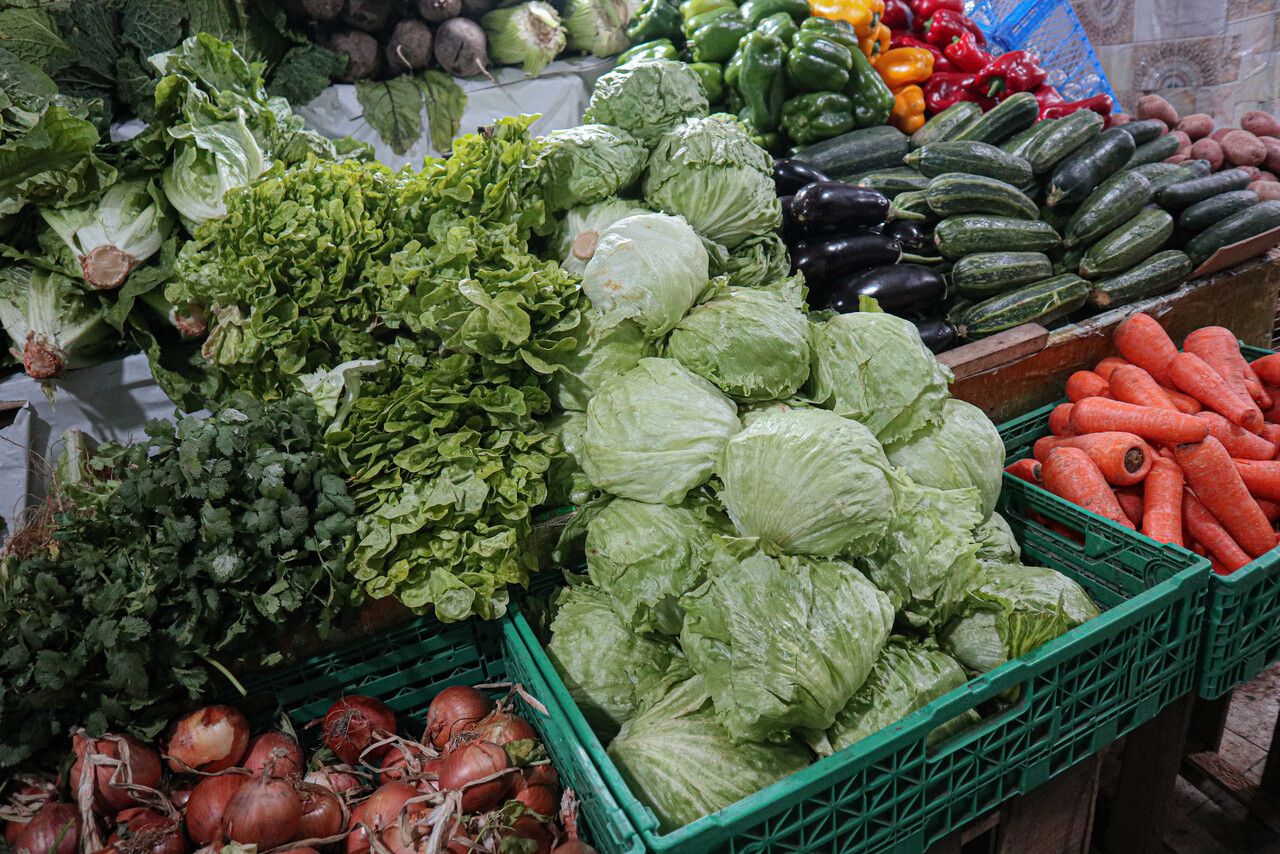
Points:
(937, 335)
(911, 237)
(897, 287)
(790, 175)
(834, 257)
(791, 233)
(832, 206)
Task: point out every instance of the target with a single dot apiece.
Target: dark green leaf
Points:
(394, 109)
(446, 102)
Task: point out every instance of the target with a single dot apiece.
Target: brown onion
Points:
(210, 740)
(334, 780)
(405, 760)
(322, 812)
(454, 711)
(544, 800)
(29, 799)
(460, 844)
(528, 827)
(306, 849)
(501, 728)
(378, 812)
(55, 829)
(430, 780)
(276, 750)
(541, 775)
(180, 796)
(266, 813)
(143, 769)
(207, 804)
(140, 830)
(355, 722)
(474, 761)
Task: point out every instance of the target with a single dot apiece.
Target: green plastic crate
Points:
(406, 667)
(894, 793)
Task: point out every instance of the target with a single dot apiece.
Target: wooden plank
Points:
(1271, 770)
(1208, 723)
(1187, 837)
(1056, 818)
(1148, 772)
(1000, 349)
(1259, 803)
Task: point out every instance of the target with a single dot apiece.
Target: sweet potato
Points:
(1196, 126)
(1117, 119)
(1268, 191)
(1155, 107)
(1272, 145)
(1243, 148)
(1177, 158)
(1218, 134)
(1254, 173)
(1207, 149)
(1259, 123)
(1184, 142)
(1264, 175)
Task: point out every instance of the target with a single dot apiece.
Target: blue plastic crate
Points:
(1052, 30)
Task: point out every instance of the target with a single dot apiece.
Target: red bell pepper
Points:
(940, 62)
(925, 8)
(1100, 104)
(1046, 97)
(1015, 71)
(943, 90)
(965, 55)
(945, 26)
(896, 15)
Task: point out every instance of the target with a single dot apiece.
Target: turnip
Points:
(364, 57)
(409, 49)
(461, 47)
(476, 8)
(367, 15)
(439, 11)
(314, 10)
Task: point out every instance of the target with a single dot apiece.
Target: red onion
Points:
(140, 830)
(207, 804)
(528, 827)
(266, 813)
(306, 849)
(473, 761)
(209, 740)
(381, 810)
(575, 846)
(322, 812)
(55, 829)
(544, 800)
(501, 728)
(28, 800)
(334, 780)
(541, 775)
(143, 769)
(459, 844)
(180, 796)
(454, 711)
(404, 761)
(430, 781)
(355, 722)
(287, 762)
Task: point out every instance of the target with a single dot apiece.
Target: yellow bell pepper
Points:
(908, 109)
(861, 14)
(876, 42)
(903, 66)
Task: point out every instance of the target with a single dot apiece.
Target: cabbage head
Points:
(597, 353)
(783, 643)
(655, 432)
(650, 267)
(647, 98)
(963, 449)
(751, 342)
(211, 156)
(567, 484)
(606, 665)
(578, 233)
(996, 543)
(648, 556)
(872, 367)
(750, 413)
(683, 765)
(1014, 610)
(710, 172)
(756, 263)
(806, 481)
(587, 164)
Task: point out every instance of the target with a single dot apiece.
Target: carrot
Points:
(1185, 402)
(1272, 413)
(1262, 479)
(1133, 385)
(1107, 365)
(1194, 546)
(1213, 477)
(1070, 474)
(1270, 432)
(1268, 369)
(1193, 376)
(1069, 533)
(1239, 442)
(1132, 506)
(1199, 523)
(1221, 351)
(1142, 341)
(1162, 503)
(1028, 470)
(1123, 458)
(1167, 453)
(1270, 509)
(1084, 384)
(1060, 420)
(1098, 415)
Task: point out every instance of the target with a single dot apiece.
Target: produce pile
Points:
(478, 779)
(1179, 446)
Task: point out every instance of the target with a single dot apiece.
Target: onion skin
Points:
(472, 761)
(207, 804)
(381, 810)
(404, 761)
(210, 740)
(335, 781)
(262, 754)
(502, 728)
(353, 723)
(266, 814)
(454, 711)
(41, 834)
(107, 798)
(322, 812)
(13, 828)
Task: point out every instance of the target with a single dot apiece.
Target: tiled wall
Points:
(1204, 56)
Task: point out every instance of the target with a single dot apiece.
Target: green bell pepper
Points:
(817, 115)
(760, 82)
(714, 36)
(655, 19)
(657, 49)
(756, 11)
(818, 64)
(837, 31)
(693, 8)
(779, 25)
(712, 76)
(871, 96)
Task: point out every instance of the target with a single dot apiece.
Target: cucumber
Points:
(1154, 151)
(1116, 201)
(954, 193)
(1063, 138)
(1176, 198)
(1215, 209)
(946, 123)
(1012, 115)
(1249, 222)
(1068, 261)
(1019, 144)
(856, 152)
(1146, 130)
(1159, 274)
(1199, 168)
(1057, 218)
(1128, 244)
(891, 182)
(975, 158)
(1041, 302)
(1166, 177)
(988, 273)
(958, 236)
(1088, 166)
(957, 306)
(912, 205)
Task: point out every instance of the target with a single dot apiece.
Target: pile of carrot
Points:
(1183, 447)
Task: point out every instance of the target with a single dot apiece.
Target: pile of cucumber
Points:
(1033, 221)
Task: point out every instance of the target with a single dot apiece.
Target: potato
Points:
(1196, 126)
(1207, 149)
(1254, 173)
(1118, 119)
(1177, 158)
(1243, 148)
(1259, 123)
(1268, 191)
(1218, 134)
(1267, 176)
(1272, 144)
(1184, 142)
(1155, 107)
